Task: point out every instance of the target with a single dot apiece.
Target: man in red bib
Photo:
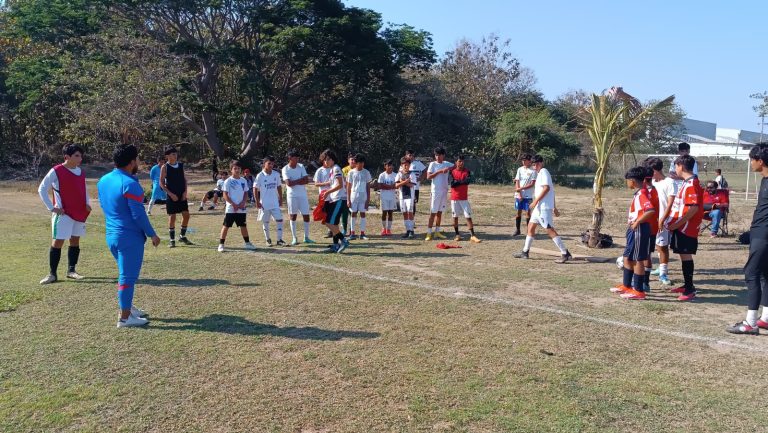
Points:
(69, 210)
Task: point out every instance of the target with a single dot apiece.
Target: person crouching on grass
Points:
(335, 199)
(235, 190)
(460, 180)
(641, 212)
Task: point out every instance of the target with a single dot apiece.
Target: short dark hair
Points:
(439, 150)
(718, 171)
(405, 159)
(360, 158)
(526, 156)
(537, 158)
(236, 163)
(683, 146)
(654, 163)
(759, 152)
(687, 161)
(269, 158)
(160, 158)
(410, 152)
(459, 157)
(170, 149)
(351, 154)
(328, 154)
(711, 184)
(71, 149)
(389, 162)
(124, 154)
(636, 173)
(293, 153)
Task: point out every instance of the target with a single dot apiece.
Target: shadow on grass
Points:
(227, 324)
(178, 282)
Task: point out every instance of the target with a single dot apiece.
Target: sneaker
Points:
(138, 312)
(411, 234)
(565, 258)
(294, 242)
(743, 328)
(656, 272)
(352, 237)
(620, 289)
(633, 294)
(132, 322)
(211, 207)
(428, 237)
(185, 241)
(521, 255)
(332, 249)
(680, 289)
(762, 324)
(713, 235)
(249, 246)
(664, 280)
(200, 209)
(688, 297)
(457, 238)
(269, 242)
(308, 241)
(516, 233)
(363, 237)
(343, 246)
(281, 243)
(439, 235)
(74, 275)
(172, 244)
(475, 239)
(149, 213)
(406, 235)
(384, 232)
(49, 279)
(220, 248)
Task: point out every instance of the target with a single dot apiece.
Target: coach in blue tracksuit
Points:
(128, 228)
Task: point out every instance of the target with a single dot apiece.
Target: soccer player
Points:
(127, 229)
(387, 195)
(322, 181)
(269, 198)
(235, 190)
(756, 268)
(716, 203)
(666, 191)
(683, 149)
(525, 180)
(405, 182)
(345, 172)
(437, 172)
(544, 209)
(335, 198)
(683, 223)
(295, 177)
(69, 210)
(420, 171)
(460, 180)
(215, 194)
(173, 180)
(638, 249)
(359, 195)
(157, 191)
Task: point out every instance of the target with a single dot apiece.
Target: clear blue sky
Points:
(710, 54)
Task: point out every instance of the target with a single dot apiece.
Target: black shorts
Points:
(680, 243)
(416, 197)
(234, 218)
(333, 211)
(174, 207)
(652, 246)
(210, 194)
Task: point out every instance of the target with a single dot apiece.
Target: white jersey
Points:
(406, 192)
(543, 178)
(267, 185)
(297, 173)
(387, 179)
(236, 189)
(358, 180)
(439, 182)
(321, 175)
(220, 185)
(341, 194)
(525, 176)
(417, 167)
(665, 188)
(51, 181)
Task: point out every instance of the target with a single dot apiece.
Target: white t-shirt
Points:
(439, 182)
(220, 185)
(357, 180)
(387, 179)
(341, 194)
(321, 175)
(544, 178)
(51, 181)
(665, 188)
(237, 189)
(267, 185)
(294, 174)
(417, 167)
(524, 176)
(406, 192)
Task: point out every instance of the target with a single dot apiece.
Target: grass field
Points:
(394, 335)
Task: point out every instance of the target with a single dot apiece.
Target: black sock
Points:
(221, 241)
(183, 231)
(517, 223)
(688, 276)
(627, 277)
(647, 279)
(54, 256)
(73, 253)
(456, 229)
(172, 233)
(246, 239)
(337, 237)
(638, 282)
(472, 231)
(527, 221)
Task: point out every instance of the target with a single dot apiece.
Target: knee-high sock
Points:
(149, 207)
(54, 256)
(352, 223)
(172, 233)
(292, 223)
(306, 229)
(362, 224)
(688, 275)
(528, 242)
(517, 223)
(183, 231)
(265, 226)
(389, 223)
(279, 230)
(125, 296)
(384, 221)
(559, 242)
(73, 254)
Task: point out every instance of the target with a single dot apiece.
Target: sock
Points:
(637, 281)
(292, 223)
(626, 279)
(765, 314)
(688, 276)
(221, 241)
(517, 223)
(647, 279)
(456, 229)
(352, 223)
(409, 225)
(559, 242)
(437, 229)
(149, 207)
(337, 238)
(429, 230)
(54, 256)
(73, 254)
(306, 229)
(183, 232)
(246, 239)
(663, 268)
(362, 224)
(172, 233)
(752, 317)
(472, 231)
(265, 226)
(528, 242)
(389, 224)
(279, 230)
(383, 223)
(125, 296)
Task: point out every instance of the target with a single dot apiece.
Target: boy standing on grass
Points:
(173, 180)
(269, 198)
(666, 190)
(127, 229)
(296, 178)
(387, 195)
(525, 180)
(683, 223)
(335, 198)
(756, 268)
(405, 182)
(641, 212)
(69, 210)
(323, 182)
(359, 195)
(544, 211)
(420, 171)
(437, 172)
(460, 180)
(157, 191)
(345, 172)
(235, 190)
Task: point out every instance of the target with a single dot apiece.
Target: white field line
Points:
(459, 292)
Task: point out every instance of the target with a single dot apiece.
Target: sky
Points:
(710, 54)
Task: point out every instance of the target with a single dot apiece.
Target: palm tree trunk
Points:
(597, 212)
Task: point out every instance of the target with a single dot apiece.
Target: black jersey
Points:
(760, 218)
(174, 178)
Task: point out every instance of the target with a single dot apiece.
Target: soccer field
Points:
(392, 335)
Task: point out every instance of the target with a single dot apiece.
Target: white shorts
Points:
(406, 205)
(64, 227)
(388, 204)
(459, 206)
(438, 201)
(298, 205)
(544, 218)
(662, 238)
(265, 214)
(357, 204)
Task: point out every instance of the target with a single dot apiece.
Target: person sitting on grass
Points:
(215, 194)
(716, 204)
(460, 180)
(235, 190)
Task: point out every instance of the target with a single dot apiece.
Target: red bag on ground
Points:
(444, 246)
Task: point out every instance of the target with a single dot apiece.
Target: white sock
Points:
(409, 225)
(559, 242)
(528, 242)
(362, 224)
(352, 223)
(437, 229)
(149, 208)
(306, 229)
(292, 223)
(752, 317)
(265, 226)
(279, 230)
(389, 224)
(384, 224)
(663, 268)
(429, 230)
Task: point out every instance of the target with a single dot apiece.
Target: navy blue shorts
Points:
(523, 204)
(638, 241)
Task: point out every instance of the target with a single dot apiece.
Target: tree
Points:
(663, 128)
(611, 120)
(761, 109)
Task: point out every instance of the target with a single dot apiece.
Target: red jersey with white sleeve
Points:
(690, 194)
(460, 192)
(654, 222)
(641, 203)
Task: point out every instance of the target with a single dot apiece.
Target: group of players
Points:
(665, 211)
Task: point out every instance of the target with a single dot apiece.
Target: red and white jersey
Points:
(641, 203)
(690, 194)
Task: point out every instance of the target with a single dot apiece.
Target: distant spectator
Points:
(716, 203)
(720, 180)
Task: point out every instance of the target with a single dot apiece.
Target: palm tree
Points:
(610, 121)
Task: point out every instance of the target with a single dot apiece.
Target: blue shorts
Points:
(523, 204)
(638, 243)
